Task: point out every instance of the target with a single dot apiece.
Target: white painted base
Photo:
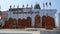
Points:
(17, 31)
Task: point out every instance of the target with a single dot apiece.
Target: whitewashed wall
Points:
(50, 12)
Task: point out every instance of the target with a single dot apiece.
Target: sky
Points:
(4, 4)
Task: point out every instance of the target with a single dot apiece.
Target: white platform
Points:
(17, 31)
(29, 31)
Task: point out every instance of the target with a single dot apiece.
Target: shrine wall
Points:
(31, 13)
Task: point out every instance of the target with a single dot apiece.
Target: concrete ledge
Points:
(17, 31)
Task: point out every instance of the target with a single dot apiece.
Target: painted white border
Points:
(18, 31)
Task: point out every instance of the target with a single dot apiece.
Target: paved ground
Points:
(49, 32)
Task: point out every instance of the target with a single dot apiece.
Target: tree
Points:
(37, 6)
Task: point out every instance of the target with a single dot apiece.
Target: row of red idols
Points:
(47, 22)
(20, 23)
